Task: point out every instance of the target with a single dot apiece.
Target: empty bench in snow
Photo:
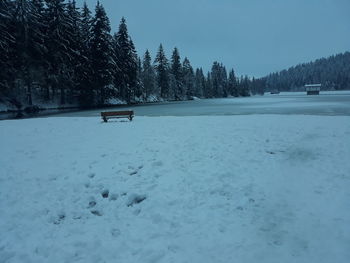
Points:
(117, 114)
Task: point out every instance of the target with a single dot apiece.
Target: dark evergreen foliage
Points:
(28, 46)
(331, 72)
(84, 71)
(148, 76)
(126, 64)
(58, 46)
(162, 72)
(219, 80)
(101, 56)
(188, 78)
(244, 86)
(177, 74)
(139, 89)
(199, 83)
(232, 84)
(53, 52)
(208, 92)
(6, 42)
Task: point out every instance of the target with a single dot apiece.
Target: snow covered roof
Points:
(313, 85)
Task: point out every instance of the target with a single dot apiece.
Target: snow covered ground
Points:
(259, 188)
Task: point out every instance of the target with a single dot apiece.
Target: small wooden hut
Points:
(313, 89)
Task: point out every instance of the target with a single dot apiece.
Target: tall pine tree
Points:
(200, 83)
(6, 41)
(148, 76)
(101, 55)
(176, 71)
(58, 45)
(189, 79)
(84, 70)
(232, 85)
(29, 42)
(162, 69)
(125, 77)
(219, 80)
(208, 92)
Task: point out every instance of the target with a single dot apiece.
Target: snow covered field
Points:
(258, 188)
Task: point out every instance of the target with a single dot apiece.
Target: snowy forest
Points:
(55, 53)
(332, 72)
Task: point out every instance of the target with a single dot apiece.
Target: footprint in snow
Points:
(135, 199)
(135, 171)
(115, 232)
(92, 203)
(59, 218)
(91, 175)
(97, 212)
(105, 193)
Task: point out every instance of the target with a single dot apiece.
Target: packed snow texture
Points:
(175, 189)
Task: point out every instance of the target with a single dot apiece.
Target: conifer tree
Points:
(5, 18)
(176, 71)
(244, 86)
(58, 45)
(218, 89)
(133, 77)
(6, 41)
(223, 77)
(139, 89)
(74, 34)
(38, 51)
(209, 86)
(162, 72)
(29, 42)
(200, 83)
(219, 80)
(101, 55)
(148, 76)
(189, 80)
(84, 69)
(232, 84)
(126, 63)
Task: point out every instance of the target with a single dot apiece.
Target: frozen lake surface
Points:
(331, 103)
(328, 103)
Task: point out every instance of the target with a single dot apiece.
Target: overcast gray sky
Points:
(255, 37)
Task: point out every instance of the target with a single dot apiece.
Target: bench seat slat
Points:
(117, 114)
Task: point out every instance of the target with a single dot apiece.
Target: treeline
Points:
(332, 72)
(53, 52)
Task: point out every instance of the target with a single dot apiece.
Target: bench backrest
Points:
(117, 113)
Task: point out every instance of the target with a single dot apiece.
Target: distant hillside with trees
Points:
(332, 72)
(57, 54)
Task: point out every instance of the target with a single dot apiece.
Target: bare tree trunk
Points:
(28, 83)
(63, 97)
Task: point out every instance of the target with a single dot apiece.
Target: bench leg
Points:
(130, 118)
(104, 119)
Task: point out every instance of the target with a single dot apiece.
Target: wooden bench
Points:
(117, 114)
